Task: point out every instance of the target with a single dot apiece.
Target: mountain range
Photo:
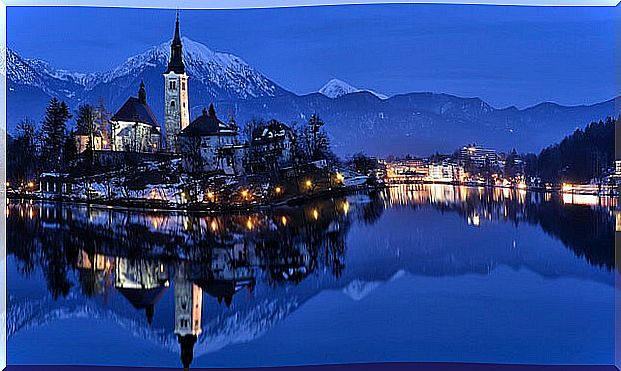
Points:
(356, 119)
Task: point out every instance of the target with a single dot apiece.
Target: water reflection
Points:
(203, 260)
(585, 224)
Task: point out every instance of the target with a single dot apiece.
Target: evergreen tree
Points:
(70, 150)
(24, 164)
(102, 123)
(53, 133)
(85, 123)
(580, 157)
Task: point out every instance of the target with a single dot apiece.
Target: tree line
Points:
(584, 155)
(50, 146)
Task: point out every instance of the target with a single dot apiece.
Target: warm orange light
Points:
(7, 184)
(214, 225)
(244, 193)
(278, 190)
(309, 183)
(211, 195)
(249, 224)
(283, 220)
(345, 207)
(30, 184)
(315, 214)
(340, 177)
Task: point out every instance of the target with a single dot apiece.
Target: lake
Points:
(410, 273)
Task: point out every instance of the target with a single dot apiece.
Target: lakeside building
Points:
(446, 172)
(134, 126)
(408, 170)
(478, 156)
(84, 139)
(210, 144)
(271, 147)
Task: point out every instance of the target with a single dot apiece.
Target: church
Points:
(134, 127)
(176, 107)
(206, 143)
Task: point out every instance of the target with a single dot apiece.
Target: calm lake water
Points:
(412, 273)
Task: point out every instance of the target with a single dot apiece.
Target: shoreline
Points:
(202, 207)
(197, 207)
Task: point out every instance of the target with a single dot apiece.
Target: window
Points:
(172, 104)
(173, 85)
(183, 85)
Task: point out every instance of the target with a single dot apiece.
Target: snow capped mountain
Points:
(336, 88)
(221, 70)
(214, 77)
(39, 74)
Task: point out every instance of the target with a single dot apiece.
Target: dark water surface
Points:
(413, 273)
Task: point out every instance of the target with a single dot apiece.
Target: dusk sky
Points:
(507, 55)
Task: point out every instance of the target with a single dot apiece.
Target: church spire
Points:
(176, 55)
(142, 93)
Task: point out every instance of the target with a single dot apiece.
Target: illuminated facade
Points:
(176, 107)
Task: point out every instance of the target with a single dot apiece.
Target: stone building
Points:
(134, 126)
(176, 108)
(209, 144)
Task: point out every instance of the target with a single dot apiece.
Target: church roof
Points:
(224, 289)
(141, 298)
(136, 111)
(208, 124)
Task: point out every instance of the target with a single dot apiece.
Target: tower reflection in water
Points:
(144, 282)
(143, 255)
(201, 260)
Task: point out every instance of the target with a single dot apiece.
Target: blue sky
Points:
(507, 55)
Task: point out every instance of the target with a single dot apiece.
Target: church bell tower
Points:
(176, 109)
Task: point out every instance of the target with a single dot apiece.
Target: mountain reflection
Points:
(145, 255)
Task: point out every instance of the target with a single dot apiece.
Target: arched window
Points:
(173, 85)
(182, 85)
(172, 104)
